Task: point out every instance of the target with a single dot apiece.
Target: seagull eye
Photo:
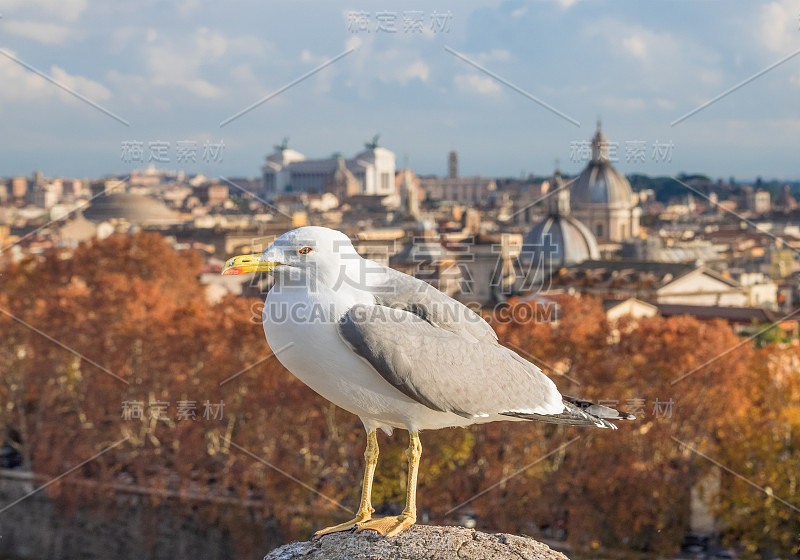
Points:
(304, 250)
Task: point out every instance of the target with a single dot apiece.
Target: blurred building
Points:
(343, 183)
(560, 239)
(288, 171)
(134, 209)
(423, 256)
(653, 248)
(673, 283)
(486, 262)
(46, 195)
(407, 184)
(757, 201)
(602, 197)
(212, 194)
(785, 202)
(462, 190)
(75, 230)
(19, 187)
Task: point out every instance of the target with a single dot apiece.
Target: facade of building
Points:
(46, 195)
(212, 194)
(785, 202)
(19, 187)
(424, 257)
(470, 191)
(488, 274)
(758, 201)
(602, 197)
(288, 171)
(667, 283)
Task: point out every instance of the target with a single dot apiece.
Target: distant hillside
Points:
(666, 188)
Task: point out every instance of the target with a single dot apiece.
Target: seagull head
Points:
(310, 251)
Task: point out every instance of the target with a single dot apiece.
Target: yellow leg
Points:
(391, 526)
(365, 508)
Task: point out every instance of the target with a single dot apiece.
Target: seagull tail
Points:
(579, 413)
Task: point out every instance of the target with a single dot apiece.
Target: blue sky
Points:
(174, 69)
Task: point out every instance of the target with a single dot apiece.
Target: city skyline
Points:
(504, 84)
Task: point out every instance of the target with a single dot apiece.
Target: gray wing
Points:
(397, 290)
(447, 370)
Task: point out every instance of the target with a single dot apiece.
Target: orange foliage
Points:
(132, 307)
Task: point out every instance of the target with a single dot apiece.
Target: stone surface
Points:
(421, 542)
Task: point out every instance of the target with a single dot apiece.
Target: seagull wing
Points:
(448, 367)
(400, 291)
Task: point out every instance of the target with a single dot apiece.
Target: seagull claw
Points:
(342, 527)
(388, 526)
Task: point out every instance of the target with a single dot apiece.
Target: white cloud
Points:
(567, 3)
(47, 33)
(21, 84)
(203, 62)
(91, 89)
(353, 42)
(179, 62)
(710, 76)
(209, 44)
(416, 70)
(777, 26)
(474, 83)
(664, 59)
(244, 73)
(188, 7)
(777, 30)
(401, 66)
(564, 4)
(137, 90)
(624, 104)
(202, 88)
(307, 56)
(494, 55)
(667, 104)
(68, 10)
(636, 45)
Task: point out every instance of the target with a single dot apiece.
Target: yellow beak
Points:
(248, 263)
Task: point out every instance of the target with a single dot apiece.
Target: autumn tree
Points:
(125, 320)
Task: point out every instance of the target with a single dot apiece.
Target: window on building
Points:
(384, 181)
(599, 230)
(622, 231)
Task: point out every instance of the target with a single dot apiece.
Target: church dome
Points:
(560, 238)
(132, 208)
(600, 183)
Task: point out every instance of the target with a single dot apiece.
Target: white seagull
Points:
(395, 351)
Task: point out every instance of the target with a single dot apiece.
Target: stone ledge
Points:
(420, 542)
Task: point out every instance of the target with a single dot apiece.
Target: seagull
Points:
(396, 352)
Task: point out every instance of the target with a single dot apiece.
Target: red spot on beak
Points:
(232, 270)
